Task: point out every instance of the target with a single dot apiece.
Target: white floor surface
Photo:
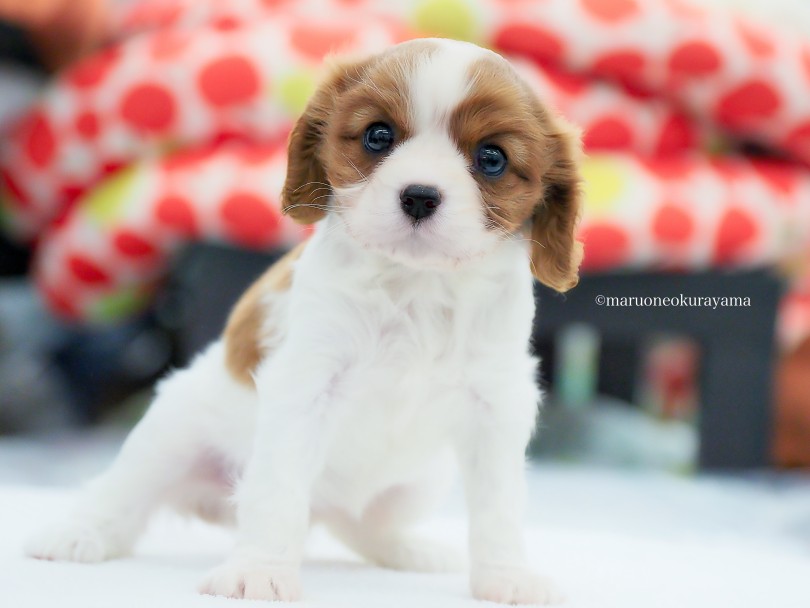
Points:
(609, 539)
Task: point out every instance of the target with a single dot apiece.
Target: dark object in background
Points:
(102, 367)
(54, 376)
(206, 282)
(792, 432)
(16, 48)
(14, 259)
(737, 348)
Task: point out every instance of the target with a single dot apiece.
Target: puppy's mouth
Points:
(417, 245)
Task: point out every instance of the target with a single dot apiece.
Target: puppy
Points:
(390, 346)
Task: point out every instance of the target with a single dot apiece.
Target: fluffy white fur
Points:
(403, 352)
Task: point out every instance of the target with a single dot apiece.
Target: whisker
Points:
(312, 184)
(534, 268)
(360, 173)
(314, 205)
(291, 207)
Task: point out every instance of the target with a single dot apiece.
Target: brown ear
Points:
(306, 188)
(556, 254)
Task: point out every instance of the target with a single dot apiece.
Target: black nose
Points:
(420, 201)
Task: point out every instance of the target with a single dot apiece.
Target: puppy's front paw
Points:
(71, 541)
(253, 579)
(517, 585)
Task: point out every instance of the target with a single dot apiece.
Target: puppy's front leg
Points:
(492, 459)
(273, 498)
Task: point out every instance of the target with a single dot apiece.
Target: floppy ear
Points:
(303, 197)
(555, 253)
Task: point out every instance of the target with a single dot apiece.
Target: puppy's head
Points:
(431, 154)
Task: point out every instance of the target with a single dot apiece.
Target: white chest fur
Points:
(412, 348)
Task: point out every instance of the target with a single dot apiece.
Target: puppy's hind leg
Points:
(383, 534)
(114, 508)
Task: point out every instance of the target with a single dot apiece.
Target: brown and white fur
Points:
(356, 372)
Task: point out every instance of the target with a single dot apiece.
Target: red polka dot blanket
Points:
(177, 132)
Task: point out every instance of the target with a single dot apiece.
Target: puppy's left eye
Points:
(490, 160)
(378, 137)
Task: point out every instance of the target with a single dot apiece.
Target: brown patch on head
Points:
(326, 145)
(247, 330)
(541, 181)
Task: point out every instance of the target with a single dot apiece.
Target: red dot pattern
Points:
(40, 141)
(572, 84)
(759, 43)
(798, 140)
(806, 61)
(9, 185)
(91, 72)
(678, 134)
(188, 159)
(315, 40)
(276, 4)
(755, 100)
(673, 225)
(249, 220)
(88, 271)
(736, 231)
(625, 66)
(177, 214)
(611, 11)
(612, 133)
(70, 193)
(687, 9)
(87, 125)
(170, 44)
(606, 245)
(133, 245)
(111, 166)
(781, 176)
(531, 41)
(148, 108)
(150, 15)
(59, 301)
(695, 58)
(227, 23)
(229, 81)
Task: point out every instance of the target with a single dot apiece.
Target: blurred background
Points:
(142, 152)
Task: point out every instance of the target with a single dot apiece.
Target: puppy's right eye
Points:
(378, 137)
(490, 160)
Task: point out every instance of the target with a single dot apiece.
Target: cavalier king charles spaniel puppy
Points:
(385, 352)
